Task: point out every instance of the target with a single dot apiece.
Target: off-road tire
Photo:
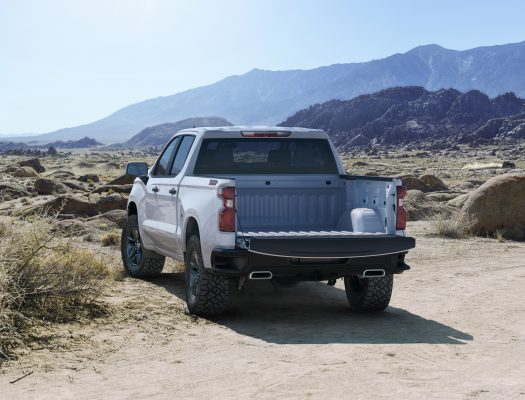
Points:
(210, 296)
(369, 294)
(150, 264)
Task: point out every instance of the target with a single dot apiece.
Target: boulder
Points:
(79, 206)
(433, 183)
(75, 186)
(25, 172)
(61, 174)
(113, 188)
(458, 201)
(13, 190)
(467, 185)
(49, 186)
(122, 180)
(33, 163)
(413, 183)
(496, 205)
(118, 217)
(9, 169)
(419, 206)
(508, 165)
(89, 178)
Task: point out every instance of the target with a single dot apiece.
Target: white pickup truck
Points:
(240, 203)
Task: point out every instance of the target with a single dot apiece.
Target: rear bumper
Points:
(239, 262)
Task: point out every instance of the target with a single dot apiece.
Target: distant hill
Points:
(158, 135)
(70, 144)
(412, 114)
(267, 97)
(83, 143)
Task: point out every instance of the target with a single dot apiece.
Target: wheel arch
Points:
(191, 228)
(132, 209)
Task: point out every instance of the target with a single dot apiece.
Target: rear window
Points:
(265, 156)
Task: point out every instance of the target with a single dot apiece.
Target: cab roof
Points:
(233, 131)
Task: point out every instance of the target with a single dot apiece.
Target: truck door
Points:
(172, 239)
(159, 202)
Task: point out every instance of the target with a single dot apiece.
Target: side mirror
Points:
(137, 169)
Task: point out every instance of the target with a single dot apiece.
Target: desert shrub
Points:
(111, 239)
(451, 228)
(510, 233)
(44, 278)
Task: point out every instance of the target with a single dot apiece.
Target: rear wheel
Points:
(206, 292)
(369, 294)
(138, 261)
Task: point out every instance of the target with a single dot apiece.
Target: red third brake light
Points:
(266, 134)
(227, 213)
(401, 214)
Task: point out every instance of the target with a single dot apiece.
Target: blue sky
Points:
(68, 62)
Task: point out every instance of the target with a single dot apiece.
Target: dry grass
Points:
(44, 278)
(451, 228)
(111, 239)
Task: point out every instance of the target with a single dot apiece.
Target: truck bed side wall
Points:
(198, 199)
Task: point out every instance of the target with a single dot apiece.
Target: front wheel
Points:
(369, 294)
(206, 292)
(138, 261)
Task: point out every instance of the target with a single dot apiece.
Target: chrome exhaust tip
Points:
(258, 275)
(373, 273)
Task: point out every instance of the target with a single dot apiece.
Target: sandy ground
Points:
(455, 330)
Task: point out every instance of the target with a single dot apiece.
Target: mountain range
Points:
(267, 97)
(158, 135)
(415, 115)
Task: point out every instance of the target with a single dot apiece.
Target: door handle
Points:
(155, 189)
(172, 191)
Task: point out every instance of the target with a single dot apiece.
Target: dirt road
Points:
(455, 330)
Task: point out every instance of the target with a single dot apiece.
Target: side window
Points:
(182, 154)
(163, 164)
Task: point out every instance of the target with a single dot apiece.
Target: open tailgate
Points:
(324, 244)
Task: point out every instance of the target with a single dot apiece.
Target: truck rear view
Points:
(286, 210)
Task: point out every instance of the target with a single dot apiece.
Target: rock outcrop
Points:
(33, 163)
(412, 114)
(78, 205)
(419, 206)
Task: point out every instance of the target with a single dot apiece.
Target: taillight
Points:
(401, 213)
(227, 213)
